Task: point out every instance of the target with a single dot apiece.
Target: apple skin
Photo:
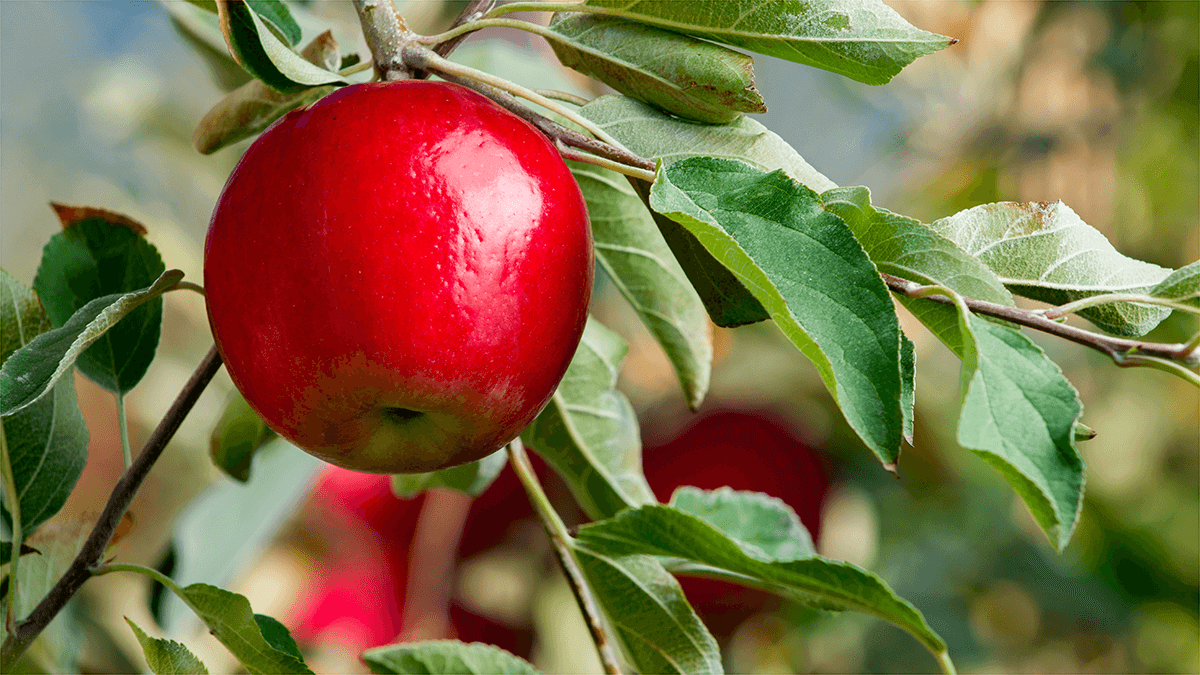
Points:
(398, 276)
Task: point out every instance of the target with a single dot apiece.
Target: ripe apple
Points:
(398, 275)
(751, 450)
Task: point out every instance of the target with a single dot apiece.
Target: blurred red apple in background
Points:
(746, 450)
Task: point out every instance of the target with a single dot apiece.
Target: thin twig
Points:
(1118, 349)
(560, 540)
(551, 129)
(118, 503)
(416, 56)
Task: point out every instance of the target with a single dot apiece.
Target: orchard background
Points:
(1092, 103)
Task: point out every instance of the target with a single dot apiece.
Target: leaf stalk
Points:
(560, 539)
(123, 424)
(575, 156)
(512, 7)
(1110, 298)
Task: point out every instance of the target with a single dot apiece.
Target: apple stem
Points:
(560, 539)
(81, 568)
(386, 35)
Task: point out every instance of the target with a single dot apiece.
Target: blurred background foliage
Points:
(1094, 103)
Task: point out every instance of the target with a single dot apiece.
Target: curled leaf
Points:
(256, 48)
(252, 107)
(864, 40)
(691, 78)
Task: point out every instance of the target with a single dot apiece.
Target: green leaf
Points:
(691, 78)
(1019, 414)
(636, 257)
(32, 370)
(22, 317)
(1182, 286)
(471, 478)
(265, 56)
(650, 616)
(911, 250)
(206, 5)
(908, 385)
(276, 13)
(664, 531)
(230, 620)
(277, 635)
(1009, 384)
(47, 442)
(589, 432)
(864, 40)
(761, 524)
(445, 657)
(97, 254)
(804, 265)
(1046, 252)
(252, 107)
(652, 133)
(166, 657)
(238, 435)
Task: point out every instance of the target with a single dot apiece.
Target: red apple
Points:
(747, 450)
(398, 275)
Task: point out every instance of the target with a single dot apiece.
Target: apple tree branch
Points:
(81, 569)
